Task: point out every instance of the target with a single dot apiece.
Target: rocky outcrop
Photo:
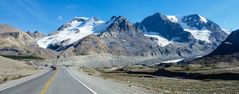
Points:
(36, 34)
(14, 43)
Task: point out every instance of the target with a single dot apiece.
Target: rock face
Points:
(36, 34)
(228, 47)
(170, 30)
(15, 42)
(159, 35)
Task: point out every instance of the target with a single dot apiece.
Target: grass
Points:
(5, 78)
(168, 85)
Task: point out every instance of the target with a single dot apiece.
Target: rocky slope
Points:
(228, 47)
(15, 42)
(36, 34)
(12, 69)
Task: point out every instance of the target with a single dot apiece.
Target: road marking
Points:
(21, 81)
(48, 83)
(81, 82)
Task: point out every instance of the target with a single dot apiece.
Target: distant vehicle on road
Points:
(53, 67)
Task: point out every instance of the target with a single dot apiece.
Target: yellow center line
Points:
(48, 83)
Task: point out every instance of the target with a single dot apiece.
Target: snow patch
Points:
(160, 40)
(203, 19)
(227, 31)
(228, 43)
(173, 19)
(103, 27)
(202, 35)
(173, 61)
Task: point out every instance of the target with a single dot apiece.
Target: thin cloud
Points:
(60, 18)
(71, 7)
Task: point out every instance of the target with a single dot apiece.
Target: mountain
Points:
(117, 36)
(70, 32)
(225, 55)
(167, 37)
(228, 47)
(16, 43)
(36, 34)
(191, 35)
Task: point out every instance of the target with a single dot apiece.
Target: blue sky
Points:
(47, 15)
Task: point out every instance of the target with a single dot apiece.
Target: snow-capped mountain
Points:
(120, 37)
(157, 35)
(197, 34)
(182, 29)
(72, 31)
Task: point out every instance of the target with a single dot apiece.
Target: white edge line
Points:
(21, 82)
(80, 81)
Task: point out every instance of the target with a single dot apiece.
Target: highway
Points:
(58, 81)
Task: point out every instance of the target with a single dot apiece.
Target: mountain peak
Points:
(195, 17)
(118, 18)
(119, 22)
(159, 15)
(80, 18)
(79, 22)
(8, 28)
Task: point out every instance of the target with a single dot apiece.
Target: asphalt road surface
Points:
(58, 81)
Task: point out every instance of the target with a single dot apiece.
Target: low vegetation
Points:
(157, 79)
(12, 69)
(22, 57)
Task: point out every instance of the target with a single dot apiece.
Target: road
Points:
(58, 81)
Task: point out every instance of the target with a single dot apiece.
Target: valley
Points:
(106, 52)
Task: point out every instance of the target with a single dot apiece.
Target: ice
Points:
(160, 40)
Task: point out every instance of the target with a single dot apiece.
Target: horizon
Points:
(41, 15)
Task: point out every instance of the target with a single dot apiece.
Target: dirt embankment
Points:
(12, 69)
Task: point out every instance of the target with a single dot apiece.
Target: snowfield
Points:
(160, 40)
(202, 35)
(76, 29)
